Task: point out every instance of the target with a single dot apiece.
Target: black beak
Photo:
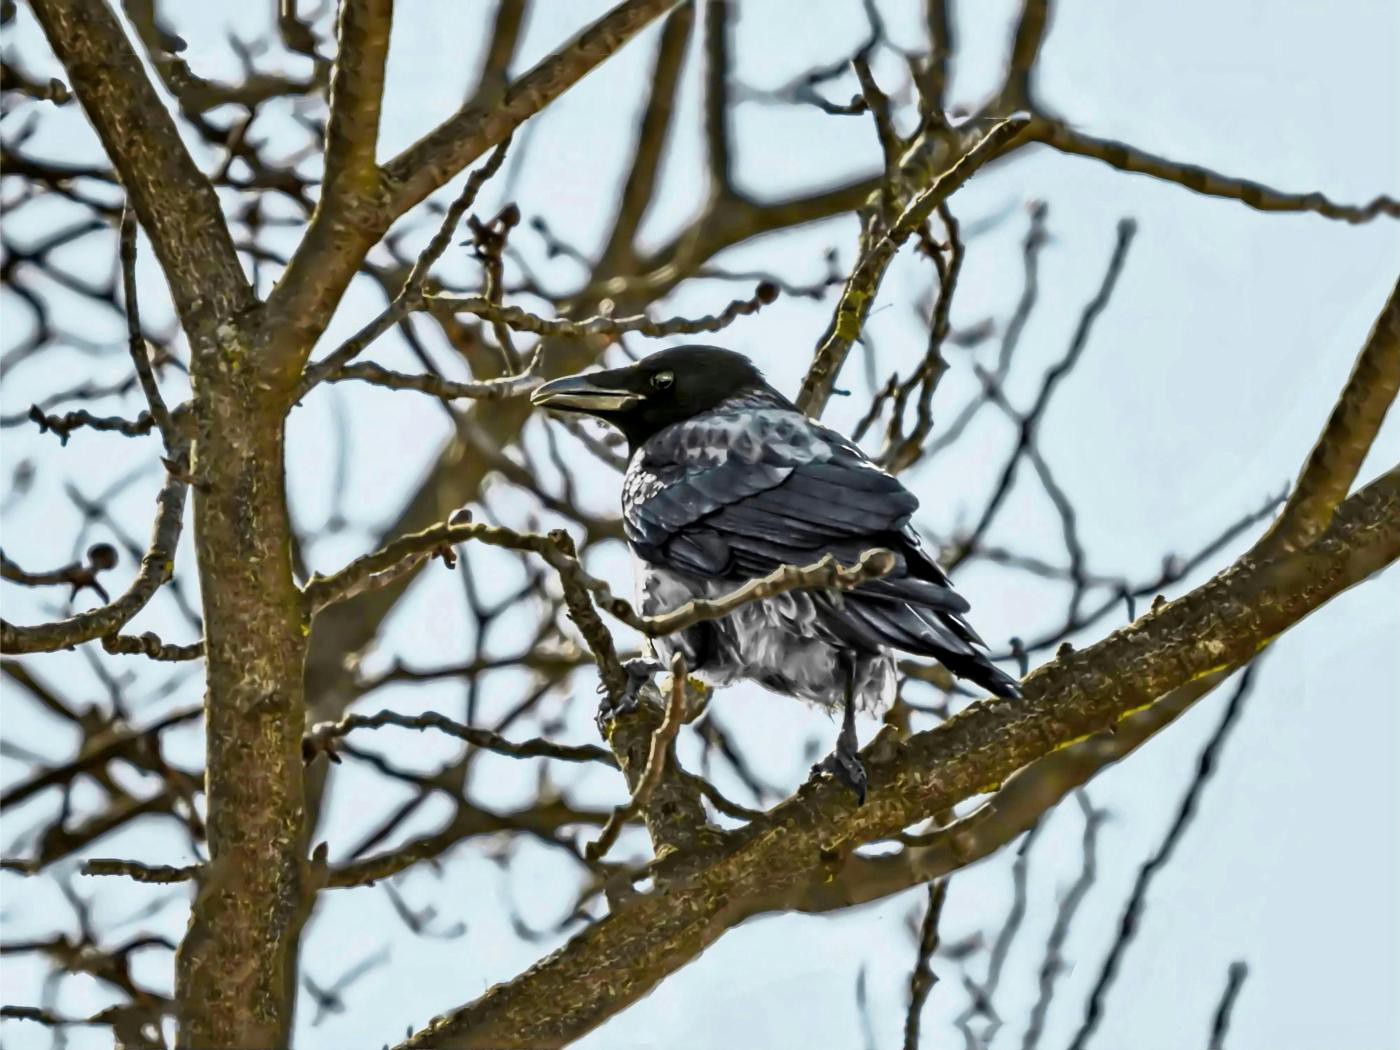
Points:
(582, 394)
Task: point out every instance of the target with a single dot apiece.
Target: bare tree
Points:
(258, 234)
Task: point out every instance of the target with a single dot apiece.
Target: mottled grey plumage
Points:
(752, 484)
(727, 481)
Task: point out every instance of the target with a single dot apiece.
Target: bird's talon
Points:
(639, 672)
(845, 766)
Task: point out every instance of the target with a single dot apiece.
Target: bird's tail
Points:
(980, 670)
(964, 653)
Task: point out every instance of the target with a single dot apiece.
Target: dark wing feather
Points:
(738, 495)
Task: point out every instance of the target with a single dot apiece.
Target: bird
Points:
(727, 480)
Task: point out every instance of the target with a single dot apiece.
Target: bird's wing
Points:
(736, 495)
(746, 492)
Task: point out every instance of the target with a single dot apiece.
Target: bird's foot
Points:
(640, 671)
(845, 765)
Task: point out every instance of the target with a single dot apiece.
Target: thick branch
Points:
(640, 185)
(1025, 51)
(447, 149)
(357, 92)
(659, 751)
(303, 301)
(1217, 627)
(1331, 467)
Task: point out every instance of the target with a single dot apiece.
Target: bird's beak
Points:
(582, 394)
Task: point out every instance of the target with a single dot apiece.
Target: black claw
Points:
(846, 766)
(639, 672)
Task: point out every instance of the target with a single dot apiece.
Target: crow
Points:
(728, 480)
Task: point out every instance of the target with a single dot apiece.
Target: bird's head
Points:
(662, 388)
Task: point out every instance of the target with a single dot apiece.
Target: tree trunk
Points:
(236, 975)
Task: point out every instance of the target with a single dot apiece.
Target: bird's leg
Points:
(844, 763)
(639, 670)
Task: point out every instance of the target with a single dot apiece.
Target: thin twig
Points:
(321, 738)
(864, 283)
(157, 567)
(159, 874)
(445, 389)
(603, 326)
(65, 424)
(828, 572)
(1137, 900)
(149, 644)
(1053, 962)
(922, 979)
(136, 342)
(78, 575)
(410, 296)
(1201, 180)
(1220, 1025)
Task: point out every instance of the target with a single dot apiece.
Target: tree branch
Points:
(157, 874)
(605, 327)
(1137, 899)
(157, 567)
(515, 385)
(303, 301)
(640, 184)
(1220, 1023)
(662, 741)
(356, 94)
(864, 283)
(1025, 51)
(321, 738)
(175, 202)
(1217, 627)
(410, 295)
(1039, 786)
(826, 573)
(385, 563)
(136, 342)
(922, 978)
(1124, 157)
(447, 149)
(1332, 466)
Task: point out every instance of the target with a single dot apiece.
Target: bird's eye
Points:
(662, 380)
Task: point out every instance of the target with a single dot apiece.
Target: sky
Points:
(1203, 387)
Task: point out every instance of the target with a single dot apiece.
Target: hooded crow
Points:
(727, 480)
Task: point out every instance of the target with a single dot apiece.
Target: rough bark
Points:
(1216, 627)
(235, 971)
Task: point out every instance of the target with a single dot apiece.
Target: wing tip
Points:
(996, 681)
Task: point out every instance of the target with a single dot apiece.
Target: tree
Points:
(259, 234)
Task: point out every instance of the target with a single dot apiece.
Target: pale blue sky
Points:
(1202, 389)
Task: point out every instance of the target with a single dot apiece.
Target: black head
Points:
(662, 388)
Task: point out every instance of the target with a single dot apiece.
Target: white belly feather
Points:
(777, 642)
